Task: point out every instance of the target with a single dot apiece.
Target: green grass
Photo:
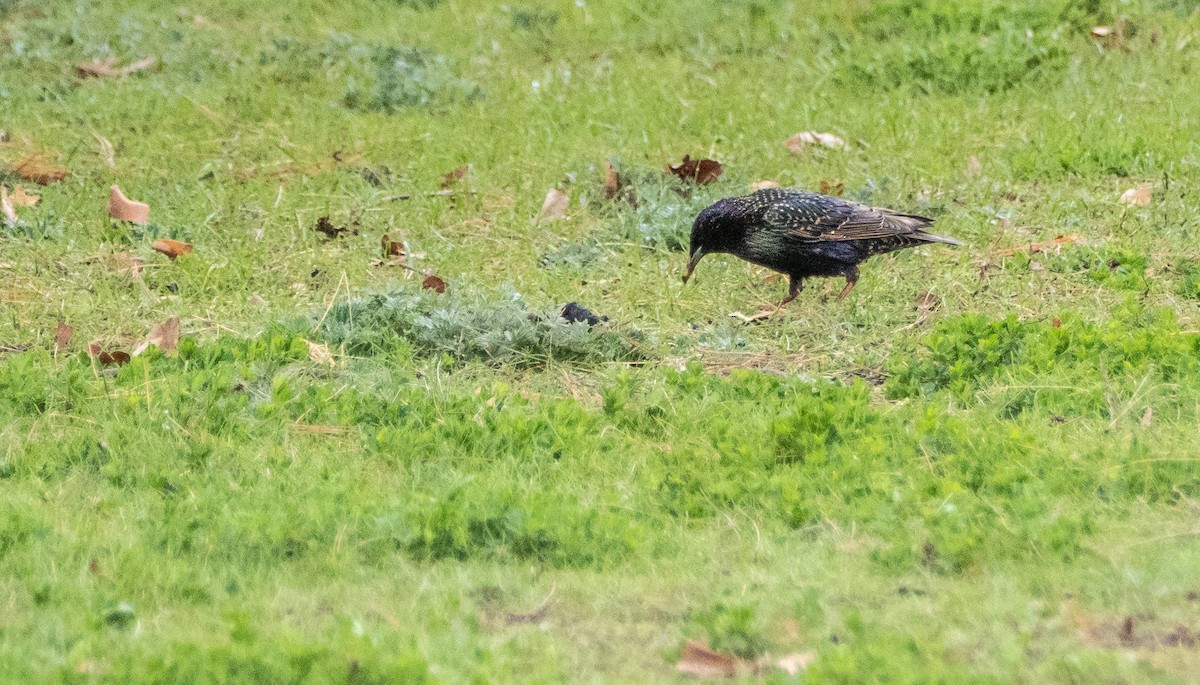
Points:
(1000, 488)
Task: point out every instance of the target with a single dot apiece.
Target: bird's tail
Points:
(935, 238)
(917, 222)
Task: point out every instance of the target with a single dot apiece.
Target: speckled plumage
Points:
(804, 234)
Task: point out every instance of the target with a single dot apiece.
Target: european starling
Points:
(804, 234)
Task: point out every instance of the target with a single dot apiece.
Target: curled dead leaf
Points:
(171, 248)
(798, 142)
(1139, 195)
(108, 67)
(391, 248)
(319, 353)
(20, 198)
(793, 664)
(127, 264)
(62, 337)
(38, 169)
(763, 185)
(555, 205)
(698, 660)
(451, 177)
(122, 208)
(106, 358)
(434, 283)
(834, 187)
(164, 336)
(702, 171)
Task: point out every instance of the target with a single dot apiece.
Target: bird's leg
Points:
(851, 281)
(795, 285)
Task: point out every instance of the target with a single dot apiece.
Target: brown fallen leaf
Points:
(834, 187)
(391, 248)
(702, 171)
(164, 336)
(108, 67)
(555, 205)
(325, 227)
(974, 166)
(20, 198)
(1139, 195)
(122, 208)
(451, 177)
(1034, 248)
(927, 302)
(6, 206)
(108, 153)
(114, 358)
(38, 169)
(319, 353)
(800, 141)
(763, 185)
(793, 664)
(171, 248)
(125, 263)
(434, 283)
(698, 660)
(612, 181)
(1148, 417)
(62, 337)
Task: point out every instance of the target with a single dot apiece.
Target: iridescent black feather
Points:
(804, 234)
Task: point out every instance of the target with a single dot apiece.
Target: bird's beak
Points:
(692, 263)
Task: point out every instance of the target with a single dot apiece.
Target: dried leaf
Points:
(42, 172)
(122, 208)
(126, 263)
(554, 207)
(391, 248)
(763, 185)
(93, 349)
(434, 283)
(1137, 196)
(974, 166)
(62, 337)
(1034, 248)
(325, 227)
(1102, 31)
(171, 248)
(696, 659)
(319, 353)
(452, 177)
(1148, 417)
(6, 206)
(793, 664)
(20, 198)
(164, 336)
(108, 67)
(114, 358)
(612, 182)
(927, 302)
(798, 142)
(702, 171)
(834, 187)
(108, 153)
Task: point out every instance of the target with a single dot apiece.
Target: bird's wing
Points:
(819, 219)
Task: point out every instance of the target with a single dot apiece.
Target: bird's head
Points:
(719, 228)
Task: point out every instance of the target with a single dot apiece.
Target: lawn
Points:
(377, 453)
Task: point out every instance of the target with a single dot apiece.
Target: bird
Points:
(802, 234)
